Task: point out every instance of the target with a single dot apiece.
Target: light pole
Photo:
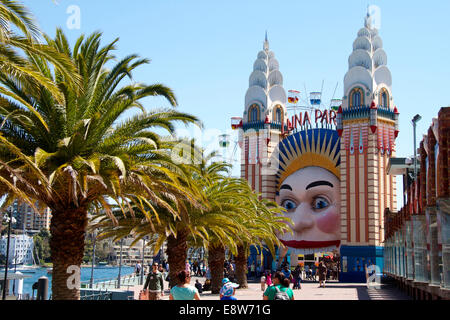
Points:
(143, 260)
(416, 119)
(120, 264)
(9, 218)
(93, 260)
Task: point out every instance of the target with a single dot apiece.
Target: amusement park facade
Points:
(352, 143)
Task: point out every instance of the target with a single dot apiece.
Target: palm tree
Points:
(230, 215)
(74, 153)
(263, 226)
(259, 220)
(20, 35)
(204, 216)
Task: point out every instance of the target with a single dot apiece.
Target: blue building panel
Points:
(354, 259)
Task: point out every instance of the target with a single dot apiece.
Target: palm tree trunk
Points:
(216, 260)
(67, 230)
(176, 255)
(241, 267)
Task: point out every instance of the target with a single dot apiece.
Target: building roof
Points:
(398, 166)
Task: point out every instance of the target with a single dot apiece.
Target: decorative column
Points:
(443, 193)
(409, 244)
(430, 203)
(419, 238)
(402, 248)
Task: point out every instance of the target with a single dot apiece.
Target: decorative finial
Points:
(266, 43)
(368, 20)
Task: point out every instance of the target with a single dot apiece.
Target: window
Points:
(357, 97)
(278, 114)
(384, 98)
(253, 113)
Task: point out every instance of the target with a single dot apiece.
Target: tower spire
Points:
(266, 43)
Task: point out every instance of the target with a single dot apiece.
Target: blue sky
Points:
(204, 50)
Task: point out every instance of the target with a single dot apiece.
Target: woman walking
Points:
(280, 289)
(183, 290)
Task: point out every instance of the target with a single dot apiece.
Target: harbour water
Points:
(101, 273)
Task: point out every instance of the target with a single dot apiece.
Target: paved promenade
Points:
(309, 291)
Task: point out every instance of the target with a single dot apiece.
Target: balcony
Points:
(260, 125)
(364, 112)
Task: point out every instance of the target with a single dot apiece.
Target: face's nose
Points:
(303, 219)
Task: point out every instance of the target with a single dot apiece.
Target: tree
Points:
(197, 214)
(19, 36)
(259, 221)
(266, 221)
(42, 246)
(74, 153)
(228, 208)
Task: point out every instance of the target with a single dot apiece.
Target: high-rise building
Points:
(20, 249)
(27, 219)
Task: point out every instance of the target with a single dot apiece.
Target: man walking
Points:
(287, 273)
(297, 273)
(154, 283)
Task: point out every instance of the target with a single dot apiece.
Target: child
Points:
(269, 279)
(228, 290)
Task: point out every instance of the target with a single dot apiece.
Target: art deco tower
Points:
(368, 125)
(260, 128)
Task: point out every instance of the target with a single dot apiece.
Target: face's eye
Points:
(289, 205)
(320, 203)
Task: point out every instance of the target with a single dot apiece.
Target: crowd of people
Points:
(274, 285)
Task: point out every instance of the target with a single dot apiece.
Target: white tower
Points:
(368, 125)
(264, 114)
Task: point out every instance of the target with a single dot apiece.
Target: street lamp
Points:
(416, 119)
(93, 260)
(120, 264)
(8, 219)
(143, 260)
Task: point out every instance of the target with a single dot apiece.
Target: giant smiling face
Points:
(311, 198)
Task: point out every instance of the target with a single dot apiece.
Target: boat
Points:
(27, 267)
(102, 264)
(49, 270)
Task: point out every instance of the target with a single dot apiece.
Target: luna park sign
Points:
(303, 120)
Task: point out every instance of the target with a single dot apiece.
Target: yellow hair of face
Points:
(311, 148)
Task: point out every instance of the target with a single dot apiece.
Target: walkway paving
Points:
(310, 291)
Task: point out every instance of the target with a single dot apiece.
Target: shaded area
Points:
(386, 292)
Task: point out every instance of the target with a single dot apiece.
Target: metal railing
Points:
(97, 296)
(105, 284)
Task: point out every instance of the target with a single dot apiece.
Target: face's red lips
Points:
(310, 244)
